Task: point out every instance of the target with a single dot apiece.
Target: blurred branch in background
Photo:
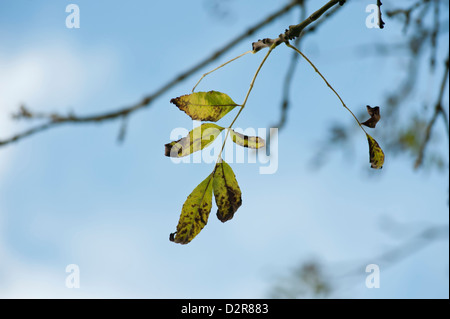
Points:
(307, 280)
(406, 128)
(55, 119)
(287, 84)
(438, 110)
(422, 22)
(312, 279)
(407, 125)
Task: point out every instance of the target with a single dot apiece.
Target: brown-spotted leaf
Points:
(376, 153)
(226, 191)
(197, 139)
(247, 141)
(195, 212)
(205, 106)
(374, 113)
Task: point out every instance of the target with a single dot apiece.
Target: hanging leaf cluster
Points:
(211, 107)
(195, 212)
(208, 106)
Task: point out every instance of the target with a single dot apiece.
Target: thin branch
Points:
(54, 120)
(327, 83)
(245, 100)
(407, 13)
(434, 35)
(293, 63)
(220, 66)
(380, 19)
(438, 110)
(288, 78)
(396, 255)
(286, 89)
(295, 31)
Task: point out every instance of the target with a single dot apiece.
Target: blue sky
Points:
(72, 195)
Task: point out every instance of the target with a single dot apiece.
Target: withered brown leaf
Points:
(374, 113)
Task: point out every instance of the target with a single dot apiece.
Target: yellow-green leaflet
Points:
(205, 106)
(199, 138)
(376, 153)
(195, 212)
(226, 191)
(247, 141)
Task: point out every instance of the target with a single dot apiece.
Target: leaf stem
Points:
(245, 100)
(327, 83)
(220, 66)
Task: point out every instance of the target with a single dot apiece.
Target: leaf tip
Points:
(167, 148)
(224, 217)
(175, 100)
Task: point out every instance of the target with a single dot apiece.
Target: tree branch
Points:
(292, 65)
(294, 31)
(380, 19)
(438, 109)
(54, 120)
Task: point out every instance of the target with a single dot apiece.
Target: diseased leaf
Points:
(374, 113)
(226, 191)
(199, 138)
(205, 106)
(195, 213)
(247, 141)
(376, 153)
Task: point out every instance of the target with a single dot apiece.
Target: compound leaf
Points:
(195, 212)
(247, 141)
(205, 106)
(226, 191)
(376, 153)
(199, 138)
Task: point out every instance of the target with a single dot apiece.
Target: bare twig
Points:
(293, 63)
(380, 19)
(391, 257)
(288, 79)
(54, 120)
(434, 35)
(295, 31)
(438, 110)
(406, 12)
(220, 66)
(332, 284)
(328, 84)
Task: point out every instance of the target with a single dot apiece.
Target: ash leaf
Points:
(195, 213)
(376, 153)
(205, 106)
(254, 142)
(374, 113)
(199, 138)
(226, 191)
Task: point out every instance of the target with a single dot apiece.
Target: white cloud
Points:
(51, 78)
(45, 79)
